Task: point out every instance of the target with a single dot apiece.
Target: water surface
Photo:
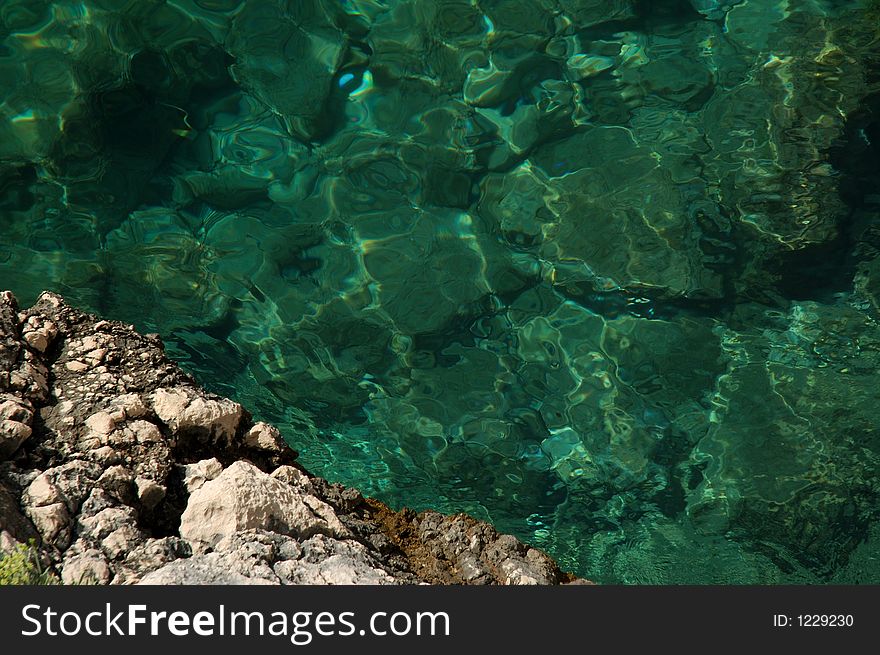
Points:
(601, 272)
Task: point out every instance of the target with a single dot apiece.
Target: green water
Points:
(603, 272)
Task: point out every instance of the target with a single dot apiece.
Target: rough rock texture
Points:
(242, 497)
(125, 471)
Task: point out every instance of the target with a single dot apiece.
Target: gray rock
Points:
(204, 570)
(260, 557)
(334, 562)
(241, 558)
(149, 555)
(105, 522)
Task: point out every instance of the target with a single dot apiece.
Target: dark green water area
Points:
(602, 272)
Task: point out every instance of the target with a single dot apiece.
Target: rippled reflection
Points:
(603, 273)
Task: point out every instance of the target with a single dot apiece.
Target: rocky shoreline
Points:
(123, 470)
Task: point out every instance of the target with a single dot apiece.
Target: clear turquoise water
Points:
(603, 273)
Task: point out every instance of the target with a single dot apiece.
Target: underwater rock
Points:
(515, 258)
(781, 443)
(286, 55)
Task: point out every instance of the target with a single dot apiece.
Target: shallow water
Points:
(603, 273)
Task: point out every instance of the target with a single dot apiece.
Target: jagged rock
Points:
(44, 504)
(74, 481)
(41, 492)
(242, 498)
(52, 522)
(326, 561)
(12, 435)
(131, 406)
(100, 425)
(264, 437)
(14, 527)
(149, 493)
(105, 522)
(195, 571)
(459, 548)
(258, 557)
(145, 432)
(87, 567)
(293, 476)
(105, 455)
(16, 416)
(195, 475)
(661, 158)
(122, 541)
(31, 378)
(123, 479)
(246, 555)
(151, 555)
(38, 333)
(15, 409)
(118, 482)
(187, 412)
(9, 337)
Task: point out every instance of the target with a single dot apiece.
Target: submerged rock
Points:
(551, 261)
(135, 474)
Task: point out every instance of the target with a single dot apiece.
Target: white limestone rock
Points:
(210, 569)
(195, 475)
(39, 333)
(242, 497)
(184, 410)
(264, 437)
